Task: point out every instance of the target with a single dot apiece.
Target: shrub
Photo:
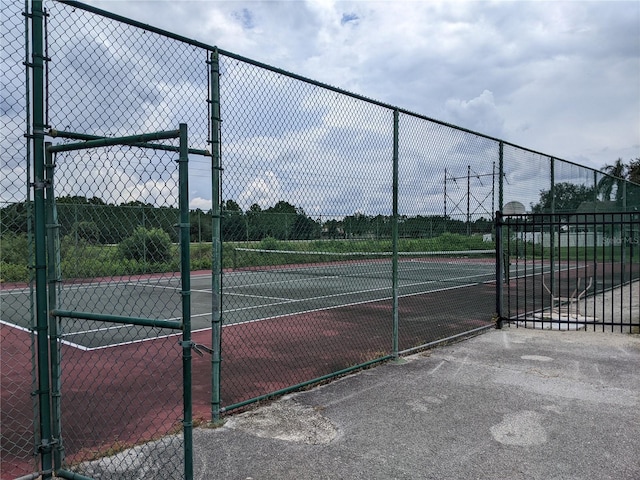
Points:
(145, 245)
(270, 243)
(10, 272)
(14, 249)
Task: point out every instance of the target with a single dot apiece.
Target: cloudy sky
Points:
(560, 77)
(557, 77)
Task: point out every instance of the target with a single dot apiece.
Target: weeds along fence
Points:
(327, 231)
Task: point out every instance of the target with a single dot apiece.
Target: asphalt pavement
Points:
(508, 404)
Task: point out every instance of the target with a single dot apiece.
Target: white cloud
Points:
(264, 190)
(201, 203)
(479, 114)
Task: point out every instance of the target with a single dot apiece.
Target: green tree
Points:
(13, 218)
(87, 231)
(633, 170)
(281, 220)
(568, 197)
(357, 225)
(200, 230)
(333, 229)
(233, 224)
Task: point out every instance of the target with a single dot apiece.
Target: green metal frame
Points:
(54, 275)
(48, 315)
(40, 235)
(394, 237)
(216, 243)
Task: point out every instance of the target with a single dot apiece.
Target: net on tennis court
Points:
(471, 265)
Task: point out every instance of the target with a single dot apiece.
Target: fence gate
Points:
(112, 344)
(570, 271)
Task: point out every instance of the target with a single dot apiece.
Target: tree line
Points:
(618, 191)
(94, 221)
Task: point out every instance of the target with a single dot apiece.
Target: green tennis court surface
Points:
(252, 294)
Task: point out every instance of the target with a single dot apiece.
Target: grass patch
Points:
(81, 258)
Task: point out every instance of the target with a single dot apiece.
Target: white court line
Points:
(283, 302)
(64, 342)
(80, 347)
(357, 292)
(297, 280)
(286, 301)
(17, 327)
(17, 291)
(256, 296)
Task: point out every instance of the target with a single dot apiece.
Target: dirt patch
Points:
(286, 420)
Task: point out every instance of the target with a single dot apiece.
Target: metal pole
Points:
(468, 200)
(623, 231)
(29, 212)
(445, 200)
(552, 256)
(44, 393)
(394, 236)
(493, 188)
(595, 235)
(108, 141)
(185, 274)
(54, 277)
(501, 176)
(102, 317)
(152, 146)
(499, 269)
(216, 243)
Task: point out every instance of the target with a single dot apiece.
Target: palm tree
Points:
(615, 176)
(633, 170)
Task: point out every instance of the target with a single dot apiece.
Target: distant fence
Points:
(581, 272)
(329, 231)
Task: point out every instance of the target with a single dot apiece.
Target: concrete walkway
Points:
(508, 404)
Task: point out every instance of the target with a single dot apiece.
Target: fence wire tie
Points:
(196, 347)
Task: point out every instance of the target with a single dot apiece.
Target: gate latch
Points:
(196, 347)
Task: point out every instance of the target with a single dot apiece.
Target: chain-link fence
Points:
(19, 408)
(328, 231)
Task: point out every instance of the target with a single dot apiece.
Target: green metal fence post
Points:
(500, 269)
(394, 235)
(38, 118)
(623, 230)
(595, 233)
(216, 243)
(502, 263)
(500, 176)
(552, 240)
(468, 200)
(54, 277)
(185, 274)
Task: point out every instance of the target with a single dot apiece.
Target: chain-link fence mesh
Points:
(118, 225)
(319, 188)
(114, 237)
(299, 160)
(18, 412)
